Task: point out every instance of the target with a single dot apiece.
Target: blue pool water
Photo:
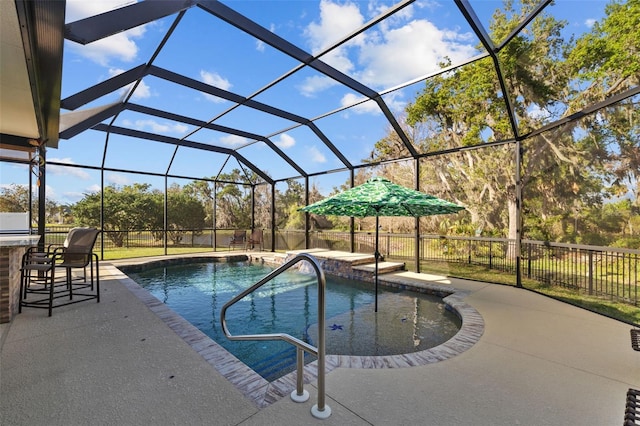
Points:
(405, 322)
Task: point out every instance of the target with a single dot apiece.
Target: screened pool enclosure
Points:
(523, 112)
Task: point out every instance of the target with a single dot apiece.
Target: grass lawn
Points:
(620, 311)
(126, 253)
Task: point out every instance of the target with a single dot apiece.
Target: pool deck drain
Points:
(264, 393)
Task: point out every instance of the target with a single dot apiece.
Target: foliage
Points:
(137, 207)
(14, 198)
(184, 212)
(131, 207)
(567, 173)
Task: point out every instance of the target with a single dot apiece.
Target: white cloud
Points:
(156, 127)
(261, 45)
(336, 21)
(80, 9)
(409, 51)
(368, 107)
(285, 141)
(315, 155)
(538, 113)
(94, 188)
(121, 46)
(74, 197)
(590, 22)
(143, 91)
(400, 49)
(233, 140)
(66, 171)
(215, 79)
(315, 84)
(117, 178)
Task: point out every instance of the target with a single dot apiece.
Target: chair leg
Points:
(51, 288)
(23, 290)
(69, 284)
(85, 272)
(97, 279)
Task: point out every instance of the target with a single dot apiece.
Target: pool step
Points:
(269, 258)
(341, 256)
(383, 267)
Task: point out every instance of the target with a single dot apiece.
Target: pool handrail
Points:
(320, 410)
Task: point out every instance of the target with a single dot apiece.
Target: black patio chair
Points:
(255, 240)
(239, 238)
(38, 273)
(635, 339)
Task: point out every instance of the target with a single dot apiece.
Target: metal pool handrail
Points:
(320, 410)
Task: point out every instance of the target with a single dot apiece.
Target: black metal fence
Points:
(603, 271)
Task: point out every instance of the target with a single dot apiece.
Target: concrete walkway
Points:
(539, 362)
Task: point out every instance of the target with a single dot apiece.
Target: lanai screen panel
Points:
(68, 185)
(268, 160)
(323, 185)
(86, 149)
(86, 65)
(196, 163)
(221, 55)
(254, 120)
(459, 109)
(356, 130)
(409, 44)
(134, 154)
(307, 93)
(182, 100)
(152, 124)
(307, 150)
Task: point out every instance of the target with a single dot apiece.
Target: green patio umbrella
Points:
(381, 197)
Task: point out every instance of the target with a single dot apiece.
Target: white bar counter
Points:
(12, 247)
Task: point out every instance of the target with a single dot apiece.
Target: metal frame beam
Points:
(106, 24)
(182, 142)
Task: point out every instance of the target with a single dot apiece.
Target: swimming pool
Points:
(405, 322)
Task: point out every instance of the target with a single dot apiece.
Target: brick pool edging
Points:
(262, 393)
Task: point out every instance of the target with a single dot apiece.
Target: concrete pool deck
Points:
(538, 362)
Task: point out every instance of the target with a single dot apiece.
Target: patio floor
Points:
(539, 362)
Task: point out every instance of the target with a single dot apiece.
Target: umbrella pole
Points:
(377, 256)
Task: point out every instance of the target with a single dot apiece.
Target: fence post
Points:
(490, 254)
(388, 242)
(529, 247)
(590, 272)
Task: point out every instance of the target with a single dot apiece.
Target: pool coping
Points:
(263, 393)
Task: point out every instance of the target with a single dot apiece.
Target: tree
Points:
(291, 200)
(14, 198)
(128, 208)
(607, 61)
(233, 200)
(563, 171)
(466, 108)
(185, 212)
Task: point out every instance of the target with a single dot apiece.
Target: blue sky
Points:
(208, 50)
